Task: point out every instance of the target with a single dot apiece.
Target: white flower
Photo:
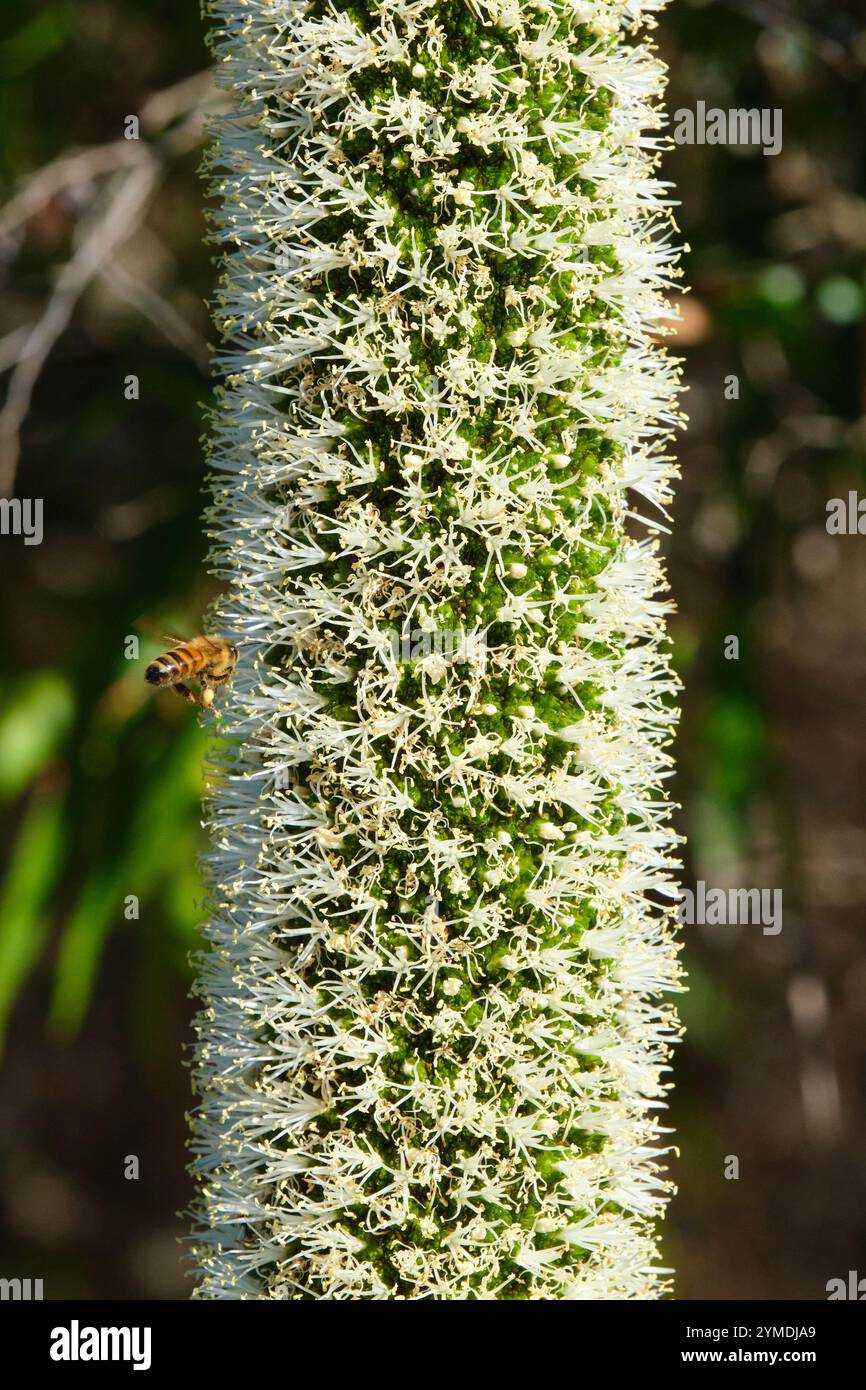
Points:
(433, 1035)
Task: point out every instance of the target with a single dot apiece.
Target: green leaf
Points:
(36, 40)
(36, 716)
(156, 836)
(24, 915)
(81, 949)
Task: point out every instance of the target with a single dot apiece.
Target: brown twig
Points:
(162, 315)
(110, 231)
(130, 171)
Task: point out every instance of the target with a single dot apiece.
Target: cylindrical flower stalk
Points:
(434, 1033)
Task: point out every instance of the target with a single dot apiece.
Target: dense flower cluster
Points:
(433, 1036)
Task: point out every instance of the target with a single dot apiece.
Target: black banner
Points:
(83, 1340)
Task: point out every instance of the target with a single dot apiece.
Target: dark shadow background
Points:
(99, 784)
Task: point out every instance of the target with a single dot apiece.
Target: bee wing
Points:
(173, 637)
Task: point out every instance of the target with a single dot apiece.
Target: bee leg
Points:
(185, 693)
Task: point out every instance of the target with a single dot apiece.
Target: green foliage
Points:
(24, 903)
(114, 812)
(37, 713)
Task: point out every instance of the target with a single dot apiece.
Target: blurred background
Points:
(103, 354)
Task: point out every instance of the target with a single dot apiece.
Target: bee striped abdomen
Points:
(174, 666)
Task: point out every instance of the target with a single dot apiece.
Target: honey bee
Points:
(208, 660)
